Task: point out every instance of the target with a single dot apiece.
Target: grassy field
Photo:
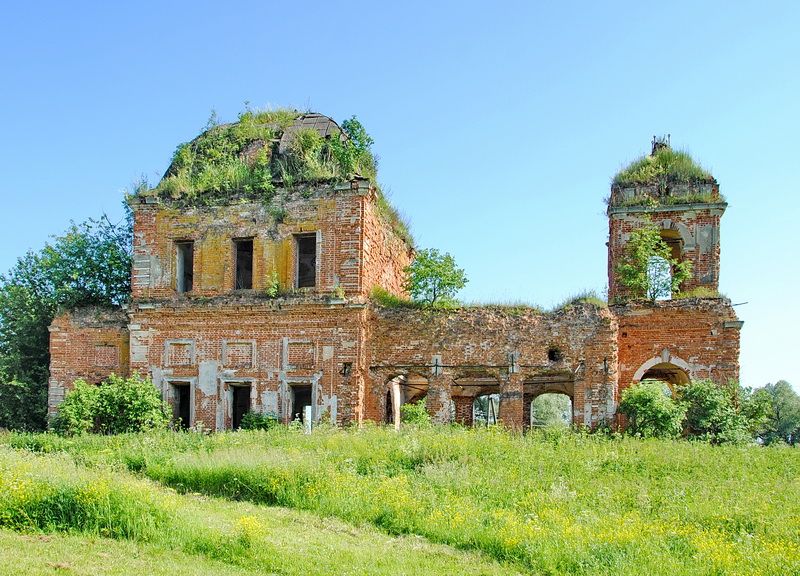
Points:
(439, 500)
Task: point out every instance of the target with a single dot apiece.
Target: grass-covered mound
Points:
(549, 502)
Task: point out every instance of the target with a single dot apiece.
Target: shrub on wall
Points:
(116, 406)
(651, 411)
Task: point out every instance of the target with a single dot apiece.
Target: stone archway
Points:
(667, 368)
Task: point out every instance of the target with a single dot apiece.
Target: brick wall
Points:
(698, 335)
(89, 343)
(699, 229)
(464, 353)
(270, 345)
(386, 255)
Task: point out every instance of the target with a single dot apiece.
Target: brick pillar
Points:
(511, 408)
(438, 401)
(464, 409)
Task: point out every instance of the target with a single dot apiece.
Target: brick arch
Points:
(663, 359)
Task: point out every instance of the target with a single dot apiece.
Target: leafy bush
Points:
(116, 406)
(651, 411)
(712, 414)
(647, 268)
(415, 413)
(258, 421)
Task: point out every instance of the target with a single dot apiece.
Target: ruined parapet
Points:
(453, 357)
(90, 343)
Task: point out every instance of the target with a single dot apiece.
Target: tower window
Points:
(184, 266)
(244, 264)
(307, 261)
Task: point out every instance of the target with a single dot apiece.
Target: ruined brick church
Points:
(237, 306)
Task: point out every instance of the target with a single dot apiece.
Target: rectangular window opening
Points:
(307, 261)
(244, 264)
(185, 266)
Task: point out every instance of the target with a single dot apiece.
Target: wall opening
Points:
(184, 266)
(551, 409)
(672, 238)
(181, 393)
(401, 390)
(301, 397)
(306, 260)
(241, 404)
(486, 409)
(244, 264)
(659, 277)
(554, 354)
(668, 373)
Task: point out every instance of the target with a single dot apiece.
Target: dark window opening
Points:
(244, 264)
(185, 266)
(181, 405)
(241, 404)
(301, 397)
(672, 238)
(307, 261)
(554, 355)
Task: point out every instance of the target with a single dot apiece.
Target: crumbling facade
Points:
(239, 307)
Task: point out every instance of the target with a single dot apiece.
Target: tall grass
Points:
(52, 494)
(557, 503)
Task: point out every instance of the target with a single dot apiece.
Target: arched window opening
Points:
(551, 409)
(485, 409)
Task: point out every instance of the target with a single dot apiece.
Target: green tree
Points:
(651, 411)
(89, 264)
(713, 412)
(647, 269)
(434, 279)
(784, 418)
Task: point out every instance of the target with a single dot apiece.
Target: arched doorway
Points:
(403, 389)
(551, 409)
(671, 370)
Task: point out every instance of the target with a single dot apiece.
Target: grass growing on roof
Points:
(665, 165)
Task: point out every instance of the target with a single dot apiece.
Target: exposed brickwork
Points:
(703, 334)
(353, 361)
(90, 343)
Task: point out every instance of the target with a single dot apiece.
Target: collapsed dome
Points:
(263, 151)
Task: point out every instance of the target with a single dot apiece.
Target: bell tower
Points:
(669, 189)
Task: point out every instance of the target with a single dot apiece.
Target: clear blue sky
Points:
(498, 125)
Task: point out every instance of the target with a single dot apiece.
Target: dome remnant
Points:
(260, 152)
